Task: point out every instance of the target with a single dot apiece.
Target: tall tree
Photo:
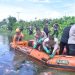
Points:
(11, 21)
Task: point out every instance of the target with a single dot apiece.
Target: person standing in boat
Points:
(64, 40)
(39, 37)
(18, 36)
(50, 45)
(71, 40)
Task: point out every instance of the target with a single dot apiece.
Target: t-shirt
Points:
(55, 46)
(71, 39)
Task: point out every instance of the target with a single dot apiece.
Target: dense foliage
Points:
(11, 23)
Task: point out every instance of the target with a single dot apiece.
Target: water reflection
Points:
(11, 62)
(22, 64)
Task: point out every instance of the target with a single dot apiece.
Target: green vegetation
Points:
(10, 24)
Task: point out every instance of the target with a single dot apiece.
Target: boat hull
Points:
(62, 62)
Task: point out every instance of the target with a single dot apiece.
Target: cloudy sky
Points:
(29, 9)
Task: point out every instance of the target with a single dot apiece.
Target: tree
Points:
(11, 21)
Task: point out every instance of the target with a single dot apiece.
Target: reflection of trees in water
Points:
(9, 41)
(4, 39)
(9, 38)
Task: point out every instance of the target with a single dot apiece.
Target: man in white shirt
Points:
(50, 44)
(71, 40)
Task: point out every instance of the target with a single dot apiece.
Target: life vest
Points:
(18, 38)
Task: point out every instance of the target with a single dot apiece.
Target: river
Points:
(16, 63)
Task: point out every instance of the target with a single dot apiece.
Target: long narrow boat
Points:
(62, 62)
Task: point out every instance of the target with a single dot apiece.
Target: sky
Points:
(30, 9)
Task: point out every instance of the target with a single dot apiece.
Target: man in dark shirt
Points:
(46, 30)
(30, 30)
(64, 40)
(55, 28)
